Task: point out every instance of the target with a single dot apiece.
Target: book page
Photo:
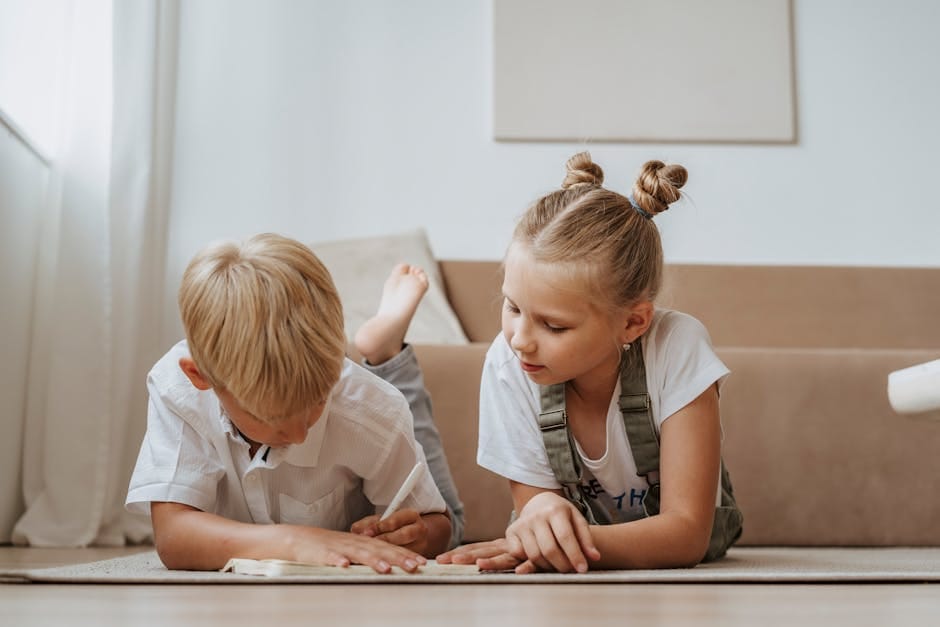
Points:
(282, 568)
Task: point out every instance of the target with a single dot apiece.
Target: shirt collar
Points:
(306, 454)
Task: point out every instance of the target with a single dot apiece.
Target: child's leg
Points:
(381, 342)
(382, 336)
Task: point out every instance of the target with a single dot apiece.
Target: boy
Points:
(265, 441)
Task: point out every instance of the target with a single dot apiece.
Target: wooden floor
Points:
(448, 604)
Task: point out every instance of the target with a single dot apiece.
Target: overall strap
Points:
(559, 444)
(636, 411)
(641, 433)
(637, 419)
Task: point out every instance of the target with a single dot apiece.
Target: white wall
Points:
(341, 119)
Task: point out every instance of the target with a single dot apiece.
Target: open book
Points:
(281, 568)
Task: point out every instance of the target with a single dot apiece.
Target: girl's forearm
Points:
(663, 541)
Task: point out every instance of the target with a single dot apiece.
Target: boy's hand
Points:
(551, 534)
(405, 528)
(337, 548)
(190, 539)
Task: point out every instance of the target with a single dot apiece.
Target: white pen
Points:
(404, 490)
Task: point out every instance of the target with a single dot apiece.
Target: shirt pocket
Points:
(327, 512)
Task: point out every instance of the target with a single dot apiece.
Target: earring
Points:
(625, 347)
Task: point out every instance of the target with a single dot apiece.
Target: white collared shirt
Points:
(353, 461)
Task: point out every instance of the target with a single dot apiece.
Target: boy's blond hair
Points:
(264, 322)
(605, 240)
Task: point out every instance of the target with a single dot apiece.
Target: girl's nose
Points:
(522, 341)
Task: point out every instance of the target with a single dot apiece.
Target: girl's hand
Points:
(491, 555)
(551, 534)
(406, 528)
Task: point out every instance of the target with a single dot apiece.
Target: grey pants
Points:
(404, 373)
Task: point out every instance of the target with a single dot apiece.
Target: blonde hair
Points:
(264, 321)
(600, 236)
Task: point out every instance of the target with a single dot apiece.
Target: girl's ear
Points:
(639, 317)
(188, 366)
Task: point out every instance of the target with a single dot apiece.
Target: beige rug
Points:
(742, 565)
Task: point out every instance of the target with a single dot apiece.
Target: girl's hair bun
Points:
(658, 186)
(580, 170)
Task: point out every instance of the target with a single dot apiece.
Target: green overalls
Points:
(644, 442)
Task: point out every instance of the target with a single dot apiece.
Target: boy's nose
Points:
(295, 433)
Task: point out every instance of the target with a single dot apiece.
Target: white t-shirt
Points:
(680, 365)
(351, 465)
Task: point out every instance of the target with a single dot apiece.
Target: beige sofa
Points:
(815, 452)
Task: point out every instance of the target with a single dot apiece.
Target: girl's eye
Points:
(555, 329)
(511, 308)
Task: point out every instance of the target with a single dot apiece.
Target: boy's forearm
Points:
(189, 539)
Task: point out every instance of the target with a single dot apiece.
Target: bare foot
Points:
(381, 337)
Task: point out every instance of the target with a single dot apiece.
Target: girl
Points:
(601, 410)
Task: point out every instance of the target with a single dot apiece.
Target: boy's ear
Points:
(639, 317)
(189, 368)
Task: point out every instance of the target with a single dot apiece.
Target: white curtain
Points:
(101, 275)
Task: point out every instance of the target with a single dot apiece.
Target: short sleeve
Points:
(681, 362)
(395, 455)
(175, 464)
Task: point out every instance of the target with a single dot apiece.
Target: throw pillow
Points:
(360, 267)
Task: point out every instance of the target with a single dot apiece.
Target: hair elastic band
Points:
(639, 209)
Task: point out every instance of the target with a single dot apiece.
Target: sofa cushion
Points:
(817, 456)
(452, 376)
(474, 289)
